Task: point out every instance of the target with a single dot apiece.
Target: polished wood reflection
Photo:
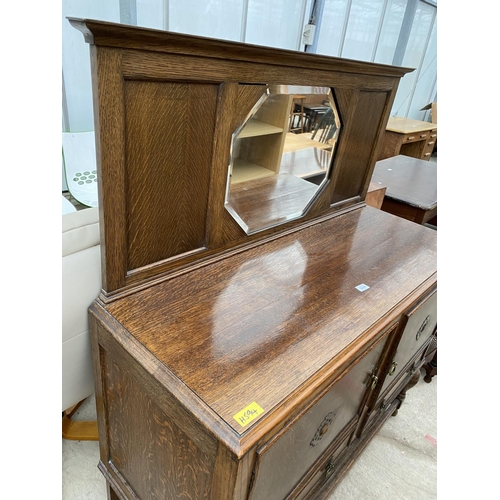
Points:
(269, 201)
(231, 330)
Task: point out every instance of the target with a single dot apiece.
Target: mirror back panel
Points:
(174, 119)
(168, 166)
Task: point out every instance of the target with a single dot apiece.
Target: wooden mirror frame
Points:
(161, 206)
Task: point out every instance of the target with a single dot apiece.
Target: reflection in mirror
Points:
(281, 156)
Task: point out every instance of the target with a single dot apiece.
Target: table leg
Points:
(430, 364)
(431, 369)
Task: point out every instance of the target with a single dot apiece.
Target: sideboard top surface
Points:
(231, 329)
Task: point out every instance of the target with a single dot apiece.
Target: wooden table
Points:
(411, 187)
(409, 137)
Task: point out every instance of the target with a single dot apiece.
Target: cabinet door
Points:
(290, 454)
(418, 325)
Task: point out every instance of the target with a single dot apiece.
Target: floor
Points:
(402, 457)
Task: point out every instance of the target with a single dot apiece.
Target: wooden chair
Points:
(326, 128)
(297, 115)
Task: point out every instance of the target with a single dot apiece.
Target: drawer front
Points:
(324, 471)
(385, 403)
(416, 136)
(419, 325)
(430, 146)
(283, 461)
(405, 378)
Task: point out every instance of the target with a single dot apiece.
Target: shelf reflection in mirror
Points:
(281, 156)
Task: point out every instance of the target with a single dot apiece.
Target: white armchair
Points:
(81, 284)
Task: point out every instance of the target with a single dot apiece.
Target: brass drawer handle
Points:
(393, 368)
(430, 143)
(433, 136)
(329, 468)
(322, 429)
(423, 326)
(411, 138)
(374, 382)
(423, 136)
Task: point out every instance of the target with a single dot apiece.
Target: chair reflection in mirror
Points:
(325, 129)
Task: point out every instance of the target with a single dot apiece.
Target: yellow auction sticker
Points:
(249, 413)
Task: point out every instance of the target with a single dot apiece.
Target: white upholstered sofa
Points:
(81, 284)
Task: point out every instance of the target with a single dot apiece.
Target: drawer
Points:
(384, 404)
(429, 148)
(288, 456)
(431, 144)
(324, 470)
(418, 325)
(416, 136)
(405, 377)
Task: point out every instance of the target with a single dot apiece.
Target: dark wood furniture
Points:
(411, 187)
(430, 364)
(411, 193)
(231, 365)
(375, 195)
(408, 137)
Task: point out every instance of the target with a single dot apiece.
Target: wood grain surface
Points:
(269, 201)
(119, 35)
(231, 330)
(166, 106)
(169, 138)
(216, 352)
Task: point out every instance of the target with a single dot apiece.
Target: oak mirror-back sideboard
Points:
(258, 322)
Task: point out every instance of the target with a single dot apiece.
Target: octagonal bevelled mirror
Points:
(281, 156)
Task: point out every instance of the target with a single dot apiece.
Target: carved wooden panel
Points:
(306, 439)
